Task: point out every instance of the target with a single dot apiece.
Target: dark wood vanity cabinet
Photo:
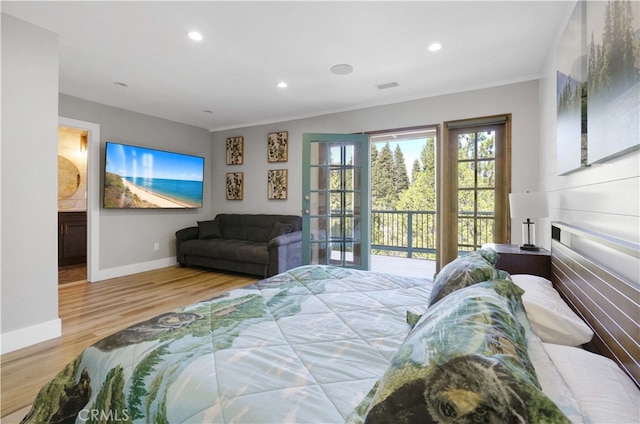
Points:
(72, 238)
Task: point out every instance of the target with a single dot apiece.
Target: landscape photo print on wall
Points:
(613, 78)
(598, 84)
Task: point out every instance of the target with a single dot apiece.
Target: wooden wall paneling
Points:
(607, 302)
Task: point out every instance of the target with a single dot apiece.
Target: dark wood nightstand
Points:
(517, 261)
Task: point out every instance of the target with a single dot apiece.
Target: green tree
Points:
(415, 169)
(401, 179)
(611, 64)
(421, 194)
(383, 193)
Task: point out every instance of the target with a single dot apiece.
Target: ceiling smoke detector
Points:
(386, 85)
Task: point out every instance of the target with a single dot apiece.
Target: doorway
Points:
(78, 193)
(404, 201)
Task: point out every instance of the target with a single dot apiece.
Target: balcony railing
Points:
(412, 234)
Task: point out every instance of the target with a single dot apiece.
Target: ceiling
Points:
(228, 79)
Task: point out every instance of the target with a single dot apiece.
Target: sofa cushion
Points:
(256, 227)
(233, 250)
(209, 229)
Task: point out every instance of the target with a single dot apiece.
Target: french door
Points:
(335, 201)
(475, 185)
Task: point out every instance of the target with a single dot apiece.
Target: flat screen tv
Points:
(138, 177)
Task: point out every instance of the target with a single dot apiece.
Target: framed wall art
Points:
(235, 185)
(613, 80)
(277, 184)
(598, 84)
(235, 150)
(278, 146)
(571, 80)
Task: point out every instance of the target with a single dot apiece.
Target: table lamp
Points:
(528, 205)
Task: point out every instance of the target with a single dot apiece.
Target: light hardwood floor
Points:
(92, 311)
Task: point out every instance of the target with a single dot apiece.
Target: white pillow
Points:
(550, 317)
(605, 393)
(551, 380)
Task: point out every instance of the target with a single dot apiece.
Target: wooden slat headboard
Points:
(610, 304)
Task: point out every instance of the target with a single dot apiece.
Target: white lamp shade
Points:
(528, 205)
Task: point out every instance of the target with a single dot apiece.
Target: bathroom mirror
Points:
(68, 178)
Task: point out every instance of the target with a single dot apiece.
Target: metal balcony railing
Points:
(413, 233)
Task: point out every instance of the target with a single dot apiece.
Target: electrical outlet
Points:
(156, 246)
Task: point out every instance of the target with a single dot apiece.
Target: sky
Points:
(139, 162)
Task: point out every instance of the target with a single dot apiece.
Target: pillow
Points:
(465, 361)
(464, 271)
(605, 393)
(279, 229)
(209, 229)
(550, 317)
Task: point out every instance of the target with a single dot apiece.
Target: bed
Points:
(320, 344)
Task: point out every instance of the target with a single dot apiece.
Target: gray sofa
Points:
(261, 245)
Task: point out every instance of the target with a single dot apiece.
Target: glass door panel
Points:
(476, 182)
(335, 188)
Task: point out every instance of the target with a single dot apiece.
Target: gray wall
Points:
(520, 99)
(127, 237)
(29, 185)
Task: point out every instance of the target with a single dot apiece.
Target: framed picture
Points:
(235, 185)
(235, 150)
(571, 80)
(278, 147)
(613, 80)
(277, 184)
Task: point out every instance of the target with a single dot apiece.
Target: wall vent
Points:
(386, 85)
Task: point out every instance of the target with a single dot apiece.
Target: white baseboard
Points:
(17, 339)
(121, 271)
(28, 336)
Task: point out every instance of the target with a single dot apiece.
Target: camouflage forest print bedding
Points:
(465, 362)
(304, 346)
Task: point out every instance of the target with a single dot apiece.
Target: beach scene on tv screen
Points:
(137, 177)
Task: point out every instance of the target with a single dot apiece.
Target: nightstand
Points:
(517, 261)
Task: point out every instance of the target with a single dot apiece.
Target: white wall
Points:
(603, 197)
(127, 237)
(29, 149)
(521, 100)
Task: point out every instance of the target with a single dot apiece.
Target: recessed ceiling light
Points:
(282, 84)
(120, 84)
(195, 36)
(341, 69)
(434, 47)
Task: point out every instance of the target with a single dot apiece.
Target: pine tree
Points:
(415, 170)
(382, 189)
(401, 182)
(611, 68)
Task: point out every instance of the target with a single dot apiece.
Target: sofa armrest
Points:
(285, 252)
(188, 233)
(285, 239)
(185, 234)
